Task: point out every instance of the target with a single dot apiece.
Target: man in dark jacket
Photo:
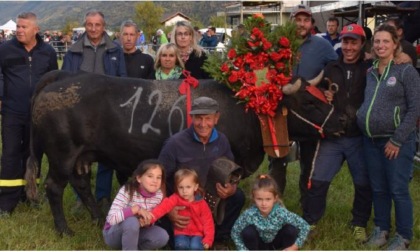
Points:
(196, 148)
(138, 64)
(96, 52)
(23, 61)
(349, 73)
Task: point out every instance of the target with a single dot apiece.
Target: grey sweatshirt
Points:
(392, 102)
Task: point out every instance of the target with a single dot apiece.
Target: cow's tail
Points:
(33, 167)
(31, 175)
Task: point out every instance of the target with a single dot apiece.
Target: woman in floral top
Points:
(267, 225)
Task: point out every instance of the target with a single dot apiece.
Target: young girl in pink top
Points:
(124, 228)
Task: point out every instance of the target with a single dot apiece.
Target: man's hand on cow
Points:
(329, 95)
(178, 220)
(226, 191)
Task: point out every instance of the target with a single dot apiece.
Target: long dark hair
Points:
(132, 184)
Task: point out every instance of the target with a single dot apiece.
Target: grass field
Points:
(33, 229)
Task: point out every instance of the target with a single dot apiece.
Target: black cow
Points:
(81, 118)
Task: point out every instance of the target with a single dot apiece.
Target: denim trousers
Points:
(128, 235)
(328, 162)
(390, 184)
(186, 242)
(103, 182)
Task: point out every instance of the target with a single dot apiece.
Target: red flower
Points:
(257, 33)
(283, 41)
(275, 56)
(266, 44)
(224, 68)
(231, 54)
(258, 15)
(280, 66)
(250, 77)
(238, 62)
(233, 77)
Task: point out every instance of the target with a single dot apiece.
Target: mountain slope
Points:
(53, 14)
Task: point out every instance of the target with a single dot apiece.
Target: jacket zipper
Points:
(378, 82)
(30, 70)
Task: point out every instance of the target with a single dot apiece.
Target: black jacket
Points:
(349, 98)
(20, 72)
(194, 64)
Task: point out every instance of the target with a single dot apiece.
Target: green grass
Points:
(33, 229)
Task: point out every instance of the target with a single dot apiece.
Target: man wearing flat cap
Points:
(196, 148)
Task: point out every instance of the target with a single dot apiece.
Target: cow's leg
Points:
(278, 169)
(81, 184)
(54, 187)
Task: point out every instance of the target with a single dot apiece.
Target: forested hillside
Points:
(53, 14)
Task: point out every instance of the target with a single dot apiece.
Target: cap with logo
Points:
(302, 9)
(204, 106)
(352, 31)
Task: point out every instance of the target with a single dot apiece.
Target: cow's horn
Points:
(315, 81)
(290, 88)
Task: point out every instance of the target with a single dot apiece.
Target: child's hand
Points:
(135, 209)
(293, 247)
(206, 246)
(146, 215)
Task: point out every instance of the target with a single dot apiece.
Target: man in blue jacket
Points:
(209, 38)
(96, 52)
(23, 61)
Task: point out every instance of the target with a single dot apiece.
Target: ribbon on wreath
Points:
(185, 89)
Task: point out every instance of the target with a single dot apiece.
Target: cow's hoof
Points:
(66, 232)
(98, 222)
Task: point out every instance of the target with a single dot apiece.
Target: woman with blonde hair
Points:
(168, 63)
(193, 55)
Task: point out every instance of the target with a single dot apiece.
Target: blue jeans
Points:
(390, 183)
(330, 158)
(128, 235)
(103, 182)
(186, 242)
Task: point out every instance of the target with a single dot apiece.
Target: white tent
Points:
(8, 27)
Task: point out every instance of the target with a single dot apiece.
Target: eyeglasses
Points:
(185, 34)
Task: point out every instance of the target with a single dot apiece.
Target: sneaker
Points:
(398, 243)
(378, 238)
(359, 234)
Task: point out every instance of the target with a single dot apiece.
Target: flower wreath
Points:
(257, 65)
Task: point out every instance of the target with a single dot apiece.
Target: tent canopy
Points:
(10, 26)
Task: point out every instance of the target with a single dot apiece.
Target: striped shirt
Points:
(121, 206)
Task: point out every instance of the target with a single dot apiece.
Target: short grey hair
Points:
(129, 23)
(94, 13)
(28, 15)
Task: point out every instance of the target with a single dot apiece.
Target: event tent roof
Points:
(10, 25)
